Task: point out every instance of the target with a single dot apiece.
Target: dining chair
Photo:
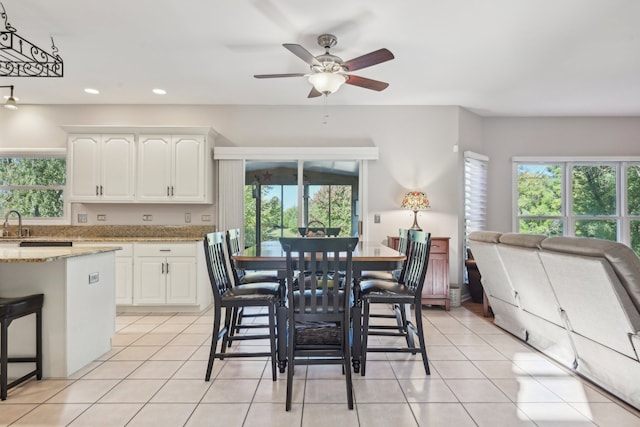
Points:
(319, 313)
(406, 291)
(243, 277)
(394, 275)
(232, 298)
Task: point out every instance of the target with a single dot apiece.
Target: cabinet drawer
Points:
(164, 249)
(439, 246)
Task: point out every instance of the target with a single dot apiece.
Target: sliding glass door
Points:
(282, 196)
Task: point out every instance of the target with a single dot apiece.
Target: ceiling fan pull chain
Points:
(325, 111)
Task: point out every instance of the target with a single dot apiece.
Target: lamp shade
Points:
(327, 82)
(415, 200)
(11, 104)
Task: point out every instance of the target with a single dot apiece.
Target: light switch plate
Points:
(82, 218)
(376, 218)
(102, 217)
(94, 277)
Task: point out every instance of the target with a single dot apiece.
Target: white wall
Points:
(415, 145)
(585, 136)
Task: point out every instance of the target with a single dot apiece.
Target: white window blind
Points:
(475, 193)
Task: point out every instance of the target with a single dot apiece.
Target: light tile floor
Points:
(153, 376)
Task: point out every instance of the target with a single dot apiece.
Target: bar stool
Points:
(11, 309)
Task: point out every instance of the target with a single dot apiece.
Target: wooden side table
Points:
(436, 285)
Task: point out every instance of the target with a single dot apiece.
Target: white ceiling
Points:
(495, 57)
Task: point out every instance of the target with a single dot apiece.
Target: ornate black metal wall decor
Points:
(21, 58)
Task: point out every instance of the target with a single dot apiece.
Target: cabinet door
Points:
(124, 281)
(181, 280)
(84, 167)
(117, 165)
(150, 280)
(436, 284)
(188, 169)
(154, 168)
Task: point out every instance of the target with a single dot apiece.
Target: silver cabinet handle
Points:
(163, 268)
(168, 194)
(172, 191)
(167, 268)
(101, 190)
(97, 191)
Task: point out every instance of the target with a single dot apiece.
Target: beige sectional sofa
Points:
(575, 299)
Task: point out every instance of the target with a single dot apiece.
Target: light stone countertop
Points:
(48, 254)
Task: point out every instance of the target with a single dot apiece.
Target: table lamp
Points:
(415, 200)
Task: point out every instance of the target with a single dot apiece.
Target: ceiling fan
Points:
(329, 72)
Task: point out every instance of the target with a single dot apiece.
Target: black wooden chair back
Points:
(319, 313)
(417, 261)
(217, 264)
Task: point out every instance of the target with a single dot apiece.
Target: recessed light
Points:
(92, 91)
(159, 91)
(15, 97)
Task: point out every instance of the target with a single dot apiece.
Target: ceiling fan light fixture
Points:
(327, 83)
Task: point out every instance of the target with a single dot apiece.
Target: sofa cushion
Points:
(623, 260)
(485, 236)
(524, 240)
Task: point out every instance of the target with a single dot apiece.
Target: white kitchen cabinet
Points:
(165, 274)
(101, 167)
(124, 270)
(173, 168)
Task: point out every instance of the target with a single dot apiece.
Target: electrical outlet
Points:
(187, 217)
(82, 218)
(147, 217)
(205, 217)
(376, 218)
(102, 217)
(94, 278)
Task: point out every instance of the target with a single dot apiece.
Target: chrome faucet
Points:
(6, 221)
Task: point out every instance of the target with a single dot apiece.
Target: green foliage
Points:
(331, 205)
(539, 190)
(335, 199)
(32, 186)
(594, 190)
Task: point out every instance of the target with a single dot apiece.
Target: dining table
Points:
(367, 256)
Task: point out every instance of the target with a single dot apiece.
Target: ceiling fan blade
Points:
(271, 76)
(369, 59)
(366, 83)
(314, 93)
(302, 53)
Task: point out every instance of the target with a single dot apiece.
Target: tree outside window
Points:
(540, 199)
(33, 186)
(600, 200)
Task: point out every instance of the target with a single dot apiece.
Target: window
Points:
(33, 186)
(475, 193)
(272, 207)
(587, 198)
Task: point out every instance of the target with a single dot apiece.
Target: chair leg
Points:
(420, 331)
(365, 336)
(290, 365)
(236, 321)
(39, 344)
(347, 363)
(405, 327)
(214, 342)
(3, 359)
(272, 340)
(226, 341)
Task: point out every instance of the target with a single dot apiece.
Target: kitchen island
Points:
(79, 311)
